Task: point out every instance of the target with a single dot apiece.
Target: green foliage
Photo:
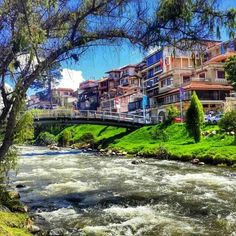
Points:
(230, 69)
(87, 138)
(65, 138)
(7, 164)
(25, 129)
(194, 118)
(172, 112)
(159, 134)
(45, 138)
(228, 123)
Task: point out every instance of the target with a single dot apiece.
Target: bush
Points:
(228, 123)
(45, 139)
(87, 138)
(160, 134)
(194, 118)
(65, 138)
(172, 112)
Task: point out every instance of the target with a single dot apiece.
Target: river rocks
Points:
(109, 152)
(54, 148)
(201, 163)
(136, 162)
(34, 229)
(57, 232)
(195, 161)
(20, 186)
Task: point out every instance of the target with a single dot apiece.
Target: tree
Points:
(46, 82)
(194, 118)
(230, 69)
(172, 112)
(24, 129)
(65, 138)
(34, 35)
(228, 123)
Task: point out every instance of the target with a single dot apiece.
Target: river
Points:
(82, 194)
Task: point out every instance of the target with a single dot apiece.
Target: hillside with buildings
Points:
(165, 77)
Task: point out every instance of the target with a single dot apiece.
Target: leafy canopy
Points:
(230, 69)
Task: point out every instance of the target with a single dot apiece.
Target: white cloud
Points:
(70, 79)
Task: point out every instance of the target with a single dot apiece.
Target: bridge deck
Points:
(90, 117)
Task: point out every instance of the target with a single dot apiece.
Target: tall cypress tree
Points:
(194, 118)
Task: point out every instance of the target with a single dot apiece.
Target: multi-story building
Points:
(123, 86)
(130, 87)
(88, 95)
(64, 97)
(180, 73)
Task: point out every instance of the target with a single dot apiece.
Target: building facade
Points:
(88, 95)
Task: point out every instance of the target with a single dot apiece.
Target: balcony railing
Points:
(221, 81)
(166, 88)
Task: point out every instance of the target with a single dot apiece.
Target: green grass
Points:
(100, 132)
(13, 224)
(147, 141)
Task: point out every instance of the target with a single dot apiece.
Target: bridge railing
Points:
(89, 114)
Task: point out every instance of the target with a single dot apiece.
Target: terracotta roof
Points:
(199, 86)
(63, 89)
(115, 70)
(221, 57)
(102, 80)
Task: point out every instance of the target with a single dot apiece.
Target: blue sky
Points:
(98, 60)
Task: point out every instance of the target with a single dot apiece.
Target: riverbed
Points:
(75, 193)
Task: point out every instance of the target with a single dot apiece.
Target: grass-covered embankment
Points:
(13, 224)
(13, 218)
(173, 141)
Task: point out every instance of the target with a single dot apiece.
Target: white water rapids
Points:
(82, 194)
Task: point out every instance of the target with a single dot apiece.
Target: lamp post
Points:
(144, 105)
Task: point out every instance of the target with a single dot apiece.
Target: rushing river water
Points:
(81, 194)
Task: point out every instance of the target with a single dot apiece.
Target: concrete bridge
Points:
(90, 117)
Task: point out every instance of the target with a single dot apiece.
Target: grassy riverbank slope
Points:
(13, 224)
(173, 141)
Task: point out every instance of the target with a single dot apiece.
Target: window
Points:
(169, 81)
(202, 75)
(186, 79)
(158, 68)
(150, 73)
(220, 74)
(154, 58)
(156, 80)
(163, 83)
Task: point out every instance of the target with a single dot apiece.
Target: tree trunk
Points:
(10, 128)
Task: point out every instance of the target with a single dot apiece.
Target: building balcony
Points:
(166, 88)
(197, 79)
(221, 81)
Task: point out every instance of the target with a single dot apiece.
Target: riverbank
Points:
(14, 220)
(163, 142)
